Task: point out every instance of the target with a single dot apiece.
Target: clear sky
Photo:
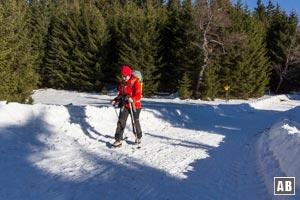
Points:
(287, 5)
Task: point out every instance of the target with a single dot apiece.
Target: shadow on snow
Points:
(20, 179)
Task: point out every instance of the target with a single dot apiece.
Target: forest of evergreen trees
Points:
(194, 48)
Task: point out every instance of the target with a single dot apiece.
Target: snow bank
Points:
(267, 102)
(278, 150)
(284, 142)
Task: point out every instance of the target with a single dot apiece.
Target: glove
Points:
(128, 99)
(116, 100)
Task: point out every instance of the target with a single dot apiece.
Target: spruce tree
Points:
(55, 69)
(88, 33)
(211, 87)
(245, 65)
(38, 24)
(293, 75)
(184, 88)
(136, 40)
(76, 55)
(191, 55)
(18, 75)
(280, 44)
(96, 39)
(260, 11)
(171, 48)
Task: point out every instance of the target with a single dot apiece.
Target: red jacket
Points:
(132, 88)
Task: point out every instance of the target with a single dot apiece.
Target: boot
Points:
(138, 140)
(117, 143)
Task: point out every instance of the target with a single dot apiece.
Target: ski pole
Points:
(116, 112)
(132, 121)
(125, 137)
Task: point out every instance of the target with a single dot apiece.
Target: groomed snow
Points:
(60, 148)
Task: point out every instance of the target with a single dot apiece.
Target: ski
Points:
(138, 145)
(116, 146)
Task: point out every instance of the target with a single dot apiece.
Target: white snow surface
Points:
(59, 148)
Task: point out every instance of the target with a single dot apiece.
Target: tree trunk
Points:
(205, 60)
(279, 84)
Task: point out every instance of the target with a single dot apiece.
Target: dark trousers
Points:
(124, 112)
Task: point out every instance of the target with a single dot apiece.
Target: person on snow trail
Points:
(128, 99)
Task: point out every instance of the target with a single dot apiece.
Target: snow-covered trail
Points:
(231, 171)
(62, 151)
(189, 151)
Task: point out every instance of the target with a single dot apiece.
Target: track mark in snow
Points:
(164, 147)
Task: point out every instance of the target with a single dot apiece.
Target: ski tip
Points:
(111, 145)
(116, 146)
